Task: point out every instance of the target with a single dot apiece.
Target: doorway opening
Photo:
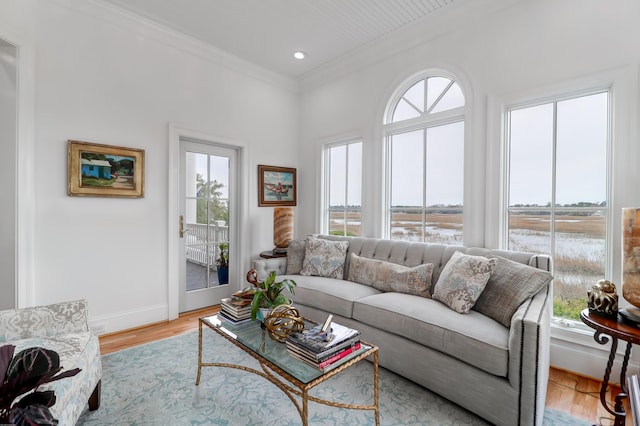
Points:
(208, 194)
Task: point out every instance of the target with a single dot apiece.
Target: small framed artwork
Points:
(276, 186)
(95, 170)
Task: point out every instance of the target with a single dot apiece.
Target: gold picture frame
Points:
(277, 186)
(96, 170)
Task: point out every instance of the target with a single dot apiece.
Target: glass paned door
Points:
(205, 223)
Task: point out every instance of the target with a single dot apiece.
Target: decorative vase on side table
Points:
(631, 263)
(282, 228)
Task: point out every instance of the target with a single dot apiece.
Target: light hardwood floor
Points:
(568, 392)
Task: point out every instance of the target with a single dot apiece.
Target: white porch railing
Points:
(197, 241)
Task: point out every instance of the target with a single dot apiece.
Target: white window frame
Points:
(326, 177)
(623, 177)
(504, 228)
(425, 121)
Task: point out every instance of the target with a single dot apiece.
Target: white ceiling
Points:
(267, 32)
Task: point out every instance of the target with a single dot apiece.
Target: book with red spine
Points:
(339, 355)
(328, 363)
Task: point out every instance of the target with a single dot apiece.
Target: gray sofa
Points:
(64, 328)
(498, 372)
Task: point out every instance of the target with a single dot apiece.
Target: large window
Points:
(424, 132)
(343, 195)
(557, 191)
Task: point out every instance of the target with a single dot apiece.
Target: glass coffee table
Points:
(292, 376)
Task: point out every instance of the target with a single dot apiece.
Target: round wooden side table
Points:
(613, 329)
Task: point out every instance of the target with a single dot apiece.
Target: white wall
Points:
(522, 47)
(8, 134)
(104, 77)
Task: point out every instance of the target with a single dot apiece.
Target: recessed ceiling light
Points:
(299, 54)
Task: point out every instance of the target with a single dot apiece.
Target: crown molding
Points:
(168, 36)
(412, 36)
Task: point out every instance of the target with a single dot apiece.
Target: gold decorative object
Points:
(282, 321)
(602, 299)
(282, 226)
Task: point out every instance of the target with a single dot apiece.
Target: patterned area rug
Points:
(154, 384)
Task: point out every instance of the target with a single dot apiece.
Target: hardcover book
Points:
(317, 341)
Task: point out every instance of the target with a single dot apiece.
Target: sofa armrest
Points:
(264, 266)
(44, 321)
(529, 354)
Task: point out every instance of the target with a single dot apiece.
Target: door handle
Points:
(183, 230)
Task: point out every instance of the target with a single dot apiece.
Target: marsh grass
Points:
(580, 254)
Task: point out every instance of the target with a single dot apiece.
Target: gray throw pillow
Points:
(295, 256)
(386, 276)
(462, 280)
(324, 258)
(510, 284)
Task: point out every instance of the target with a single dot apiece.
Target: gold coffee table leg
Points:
(375, 388)
(199, 352)
(305, 408)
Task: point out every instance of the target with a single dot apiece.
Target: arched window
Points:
(424, 134)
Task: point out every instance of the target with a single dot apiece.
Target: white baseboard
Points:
(577, 351)
(130, 319)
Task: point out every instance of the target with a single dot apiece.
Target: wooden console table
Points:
(613, 329)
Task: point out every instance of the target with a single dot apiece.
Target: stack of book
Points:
(324, 351)
(235, 310)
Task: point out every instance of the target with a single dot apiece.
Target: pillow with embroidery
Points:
(387, 276)
(462, 281)
(324, 258)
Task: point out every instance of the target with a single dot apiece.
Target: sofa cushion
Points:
(295, 256)
(386, 276)
(462, 281)
(324, 258)
(510, 284)
(473, 338)
(328, 294)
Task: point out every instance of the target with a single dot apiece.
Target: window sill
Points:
(574, 349)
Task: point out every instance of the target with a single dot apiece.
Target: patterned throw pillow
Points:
(462, 280)
(295, 256)
(324, 258)
(386, 276)
(510, 284)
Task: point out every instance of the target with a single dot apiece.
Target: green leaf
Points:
(255, 303)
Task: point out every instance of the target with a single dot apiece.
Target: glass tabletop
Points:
(249, 334)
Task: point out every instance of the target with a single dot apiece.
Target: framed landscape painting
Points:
(276, 186)
(96, 170)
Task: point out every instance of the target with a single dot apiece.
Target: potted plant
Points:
(20, 400)
(268, 293)
(223, 263)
